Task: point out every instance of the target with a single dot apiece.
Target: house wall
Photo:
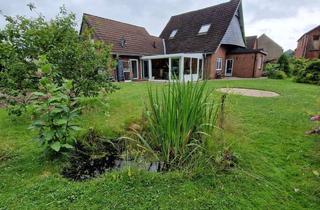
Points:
(272, 48)
(127, 58)
(302, 45)
(307, 47)
(247, 65)
(211, 62)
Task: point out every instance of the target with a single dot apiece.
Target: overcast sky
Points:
(282, 20)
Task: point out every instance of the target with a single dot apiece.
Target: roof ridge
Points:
(315, 28)
(86, 14)
(198, 10)
(270, 39)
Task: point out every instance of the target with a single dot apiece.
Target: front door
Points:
(229, 67)
(134, 68)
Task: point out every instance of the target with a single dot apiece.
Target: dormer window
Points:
(123, 42)
(204, 29)
(173, 33)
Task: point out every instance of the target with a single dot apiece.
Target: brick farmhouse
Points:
(309, 45)
(205, 44)
(264, 42)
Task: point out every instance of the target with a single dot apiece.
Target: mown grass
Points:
(275, 172)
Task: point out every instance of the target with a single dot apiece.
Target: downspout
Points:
(254, 65)
(164, 47)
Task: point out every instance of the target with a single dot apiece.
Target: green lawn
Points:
(276, 171)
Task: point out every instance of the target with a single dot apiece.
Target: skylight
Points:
(173, 33)
(204, 29)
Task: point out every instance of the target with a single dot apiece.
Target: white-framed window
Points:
(204, 29)
(219, 64)
(173, 33)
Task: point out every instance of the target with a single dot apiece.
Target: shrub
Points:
(299, 65)
(55, 111)
(273, 71)
(180, 120)
(278, 75)
(311, 74)
(284, 64)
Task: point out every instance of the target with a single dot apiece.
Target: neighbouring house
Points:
(309, 45)
(204, 44)
(129, 44)
(273, 49)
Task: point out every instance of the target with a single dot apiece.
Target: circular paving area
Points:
(249, 92)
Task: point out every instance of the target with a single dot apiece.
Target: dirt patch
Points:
(249, 92)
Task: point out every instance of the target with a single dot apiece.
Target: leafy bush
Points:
(55, 110)
(79, 59)
(311, 74)
(273, 71)
(278, 75)
(93, 155)
(299, 65)
(284, 64)
(179, 122)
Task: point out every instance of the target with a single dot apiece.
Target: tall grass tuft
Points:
(180, 120)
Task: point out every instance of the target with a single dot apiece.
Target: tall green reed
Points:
(180, 120)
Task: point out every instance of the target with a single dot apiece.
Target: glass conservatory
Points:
(183, 67)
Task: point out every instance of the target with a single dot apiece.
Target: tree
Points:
(76, 57)
(284, 64)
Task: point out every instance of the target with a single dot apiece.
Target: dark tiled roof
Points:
(251, 41)
(188, 24)
(137, 40)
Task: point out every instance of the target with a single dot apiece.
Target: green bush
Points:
(278, 75)
(273, 71)
(284, 64)
(180, 120)
(55, 111)
(311, 74)
(299, 65)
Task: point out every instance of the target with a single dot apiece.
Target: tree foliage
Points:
(284, 64)
(311, 74)
(76, 57)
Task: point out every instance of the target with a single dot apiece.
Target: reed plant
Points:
(180, 120)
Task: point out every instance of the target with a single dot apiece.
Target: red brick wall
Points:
(127, 58)
(210, 63)
(247, 65)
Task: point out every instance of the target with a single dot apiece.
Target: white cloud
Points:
(285, 31)
(284, 21)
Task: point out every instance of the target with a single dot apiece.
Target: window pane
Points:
(219, 64)
(204, 29)
(175, 68)
(200, 68)
(126, 65)
(173, 33)
(160, 69)
(146, 69)
(187, 69)
(194, 65)
(134, 69)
